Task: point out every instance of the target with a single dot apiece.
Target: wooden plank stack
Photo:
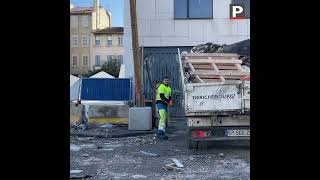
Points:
(213, 67)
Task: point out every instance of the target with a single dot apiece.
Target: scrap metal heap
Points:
(241, 48)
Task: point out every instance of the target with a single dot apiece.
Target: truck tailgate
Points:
(219, 97)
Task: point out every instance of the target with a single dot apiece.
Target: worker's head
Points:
(166, 80)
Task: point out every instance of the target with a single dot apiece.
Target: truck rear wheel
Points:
(202, 145)
(192, 144)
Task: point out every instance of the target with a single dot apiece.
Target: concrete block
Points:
(108, 113)
(140, 118)
(75, 113)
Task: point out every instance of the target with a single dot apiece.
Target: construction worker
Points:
(163, 99)
(83, 124)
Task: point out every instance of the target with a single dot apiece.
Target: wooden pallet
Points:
(213, 67)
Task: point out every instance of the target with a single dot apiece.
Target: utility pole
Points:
(136, 57)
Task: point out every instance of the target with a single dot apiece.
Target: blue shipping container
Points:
(105, 89)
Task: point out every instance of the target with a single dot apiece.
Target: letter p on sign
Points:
(237, 11)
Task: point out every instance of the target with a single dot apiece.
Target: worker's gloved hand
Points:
(170, 103)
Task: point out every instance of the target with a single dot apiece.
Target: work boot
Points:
(160, 135)
(164, 137)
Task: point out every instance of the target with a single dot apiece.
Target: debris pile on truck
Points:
(208, 48)
(216, 97)
(241, 48)
(212, 67)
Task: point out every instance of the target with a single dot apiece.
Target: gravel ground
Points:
(121, 158)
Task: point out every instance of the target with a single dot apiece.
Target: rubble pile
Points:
(241, 48)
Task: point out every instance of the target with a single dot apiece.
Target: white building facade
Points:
(168, 23)
(107, 46)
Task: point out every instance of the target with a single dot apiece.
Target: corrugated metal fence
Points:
(158, 62)
(106, 89)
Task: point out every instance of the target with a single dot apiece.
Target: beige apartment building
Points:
(84, 20)
(107, 46)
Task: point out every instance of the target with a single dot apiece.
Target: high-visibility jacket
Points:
(166, 90)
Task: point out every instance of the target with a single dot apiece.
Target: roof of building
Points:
(109, 30)
(84, 10)
(102, 74)
(81, 10)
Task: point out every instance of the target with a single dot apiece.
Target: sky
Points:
(115, 7)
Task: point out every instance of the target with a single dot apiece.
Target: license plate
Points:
(238, 132)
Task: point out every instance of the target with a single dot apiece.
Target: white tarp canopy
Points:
(73, 79)
(121, 73)
(75, 91)
(102, 74)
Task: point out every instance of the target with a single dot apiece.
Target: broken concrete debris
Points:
(176, 166)
(149, 154)
(88, 145)
(108, 149)
(221, 155)
(139, 176)
(84, 138)
(171, 167)
(74, 147)
(75, 171)
(177, 162)
(77, 176)
(107, 126)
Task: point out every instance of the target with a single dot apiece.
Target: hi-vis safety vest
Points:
(166, 90)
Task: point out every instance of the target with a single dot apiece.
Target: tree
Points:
(111, 67)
